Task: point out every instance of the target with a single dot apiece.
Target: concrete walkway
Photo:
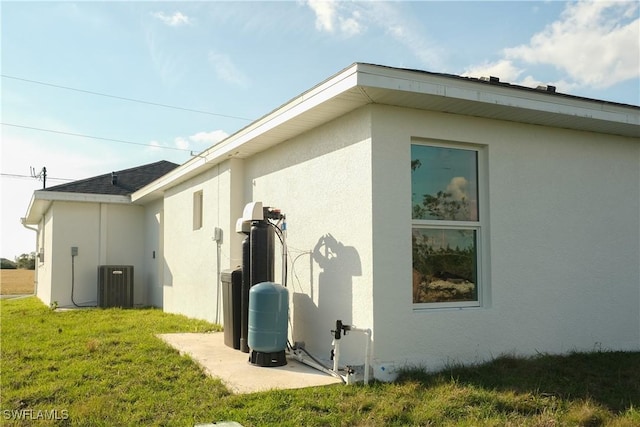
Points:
(233, 367)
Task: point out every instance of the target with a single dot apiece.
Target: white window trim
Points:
(198, 210)
(481, 227)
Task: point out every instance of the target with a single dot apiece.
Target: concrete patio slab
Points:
(233, 367)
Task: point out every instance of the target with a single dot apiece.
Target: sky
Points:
(148, 81)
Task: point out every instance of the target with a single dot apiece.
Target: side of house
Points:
(102, 234)
(458, 219)
(557, 245)
(193, 259)
(89, 223)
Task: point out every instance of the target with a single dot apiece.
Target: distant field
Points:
(16, 282)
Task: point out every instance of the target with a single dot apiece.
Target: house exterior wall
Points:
(75, 224)
(321, 180)
(105, 234)
(45, 233)
(124, 237)
(563, 250)
(153, 252)
(191, 273)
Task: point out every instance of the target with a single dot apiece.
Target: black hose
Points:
(73, 273)
(286, 251)
(335, 374)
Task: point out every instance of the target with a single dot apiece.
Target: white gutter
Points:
(23, 221)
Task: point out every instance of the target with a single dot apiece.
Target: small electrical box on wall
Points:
(74, 251)
(217, 234)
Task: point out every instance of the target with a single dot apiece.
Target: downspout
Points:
(23, 221)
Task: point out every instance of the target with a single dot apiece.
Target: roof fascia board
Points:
(35, 210)
(42, 199)
(80, 197)
(494, 94)
(287, 112)
(181, 173)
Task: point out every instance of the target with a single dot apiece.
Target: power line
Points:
(14, 175)
(122, 98)
(93, 137)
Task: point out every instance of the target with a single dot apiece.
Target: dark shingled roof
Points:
(119, 183)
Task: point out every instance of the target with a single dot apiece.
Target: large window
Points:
(446, 225)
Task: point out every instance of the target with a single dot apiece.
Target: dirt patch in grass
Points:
(17, 282)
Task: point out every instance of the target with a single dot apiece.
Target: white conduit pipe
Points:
(367, 351)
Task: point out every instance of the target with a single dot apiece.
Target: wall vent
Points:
(115, 286)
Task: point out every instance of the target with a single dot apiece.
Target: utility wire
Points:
(93, 137)
(122, 98)
(15, 175)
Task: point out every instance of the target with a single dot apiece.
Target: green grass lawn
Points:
(106, 367)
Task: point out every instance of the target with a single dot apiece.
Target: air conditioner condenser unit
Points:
(115, 286)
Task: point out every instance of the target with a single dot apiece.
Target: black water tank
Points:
(262, 252)
(232, 306)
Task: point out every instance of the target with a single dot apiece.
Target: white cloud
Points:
(351, 26)
(209, 138)
(457, 187)
(226, 70)
(333, 16)
(415, 42)
(593, 44)
(170, 65)
(181, 143)
(504, 69)
(197, 141)
(353, 18)
(325, 13)
(175, 20)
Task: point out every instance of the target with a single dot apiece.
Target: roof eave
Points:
(361, 84)
(236, 144)
(42, 199)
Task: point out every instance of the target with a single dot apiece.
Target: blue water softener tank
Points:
(268, 314)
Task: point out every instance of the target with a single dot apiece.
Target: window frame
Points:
(198, 208)
(480, 227)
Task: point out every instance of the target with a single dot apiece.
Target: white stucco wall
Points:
(564, 243)
(75, 224)
(45, 233)
(321, 180)
(153, 252)
(561, 242)
(105, 234)
(191, 285)
(124, 236)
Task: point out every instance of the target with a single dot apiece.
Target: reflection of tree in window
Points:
(444, 265)
(447, 180)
